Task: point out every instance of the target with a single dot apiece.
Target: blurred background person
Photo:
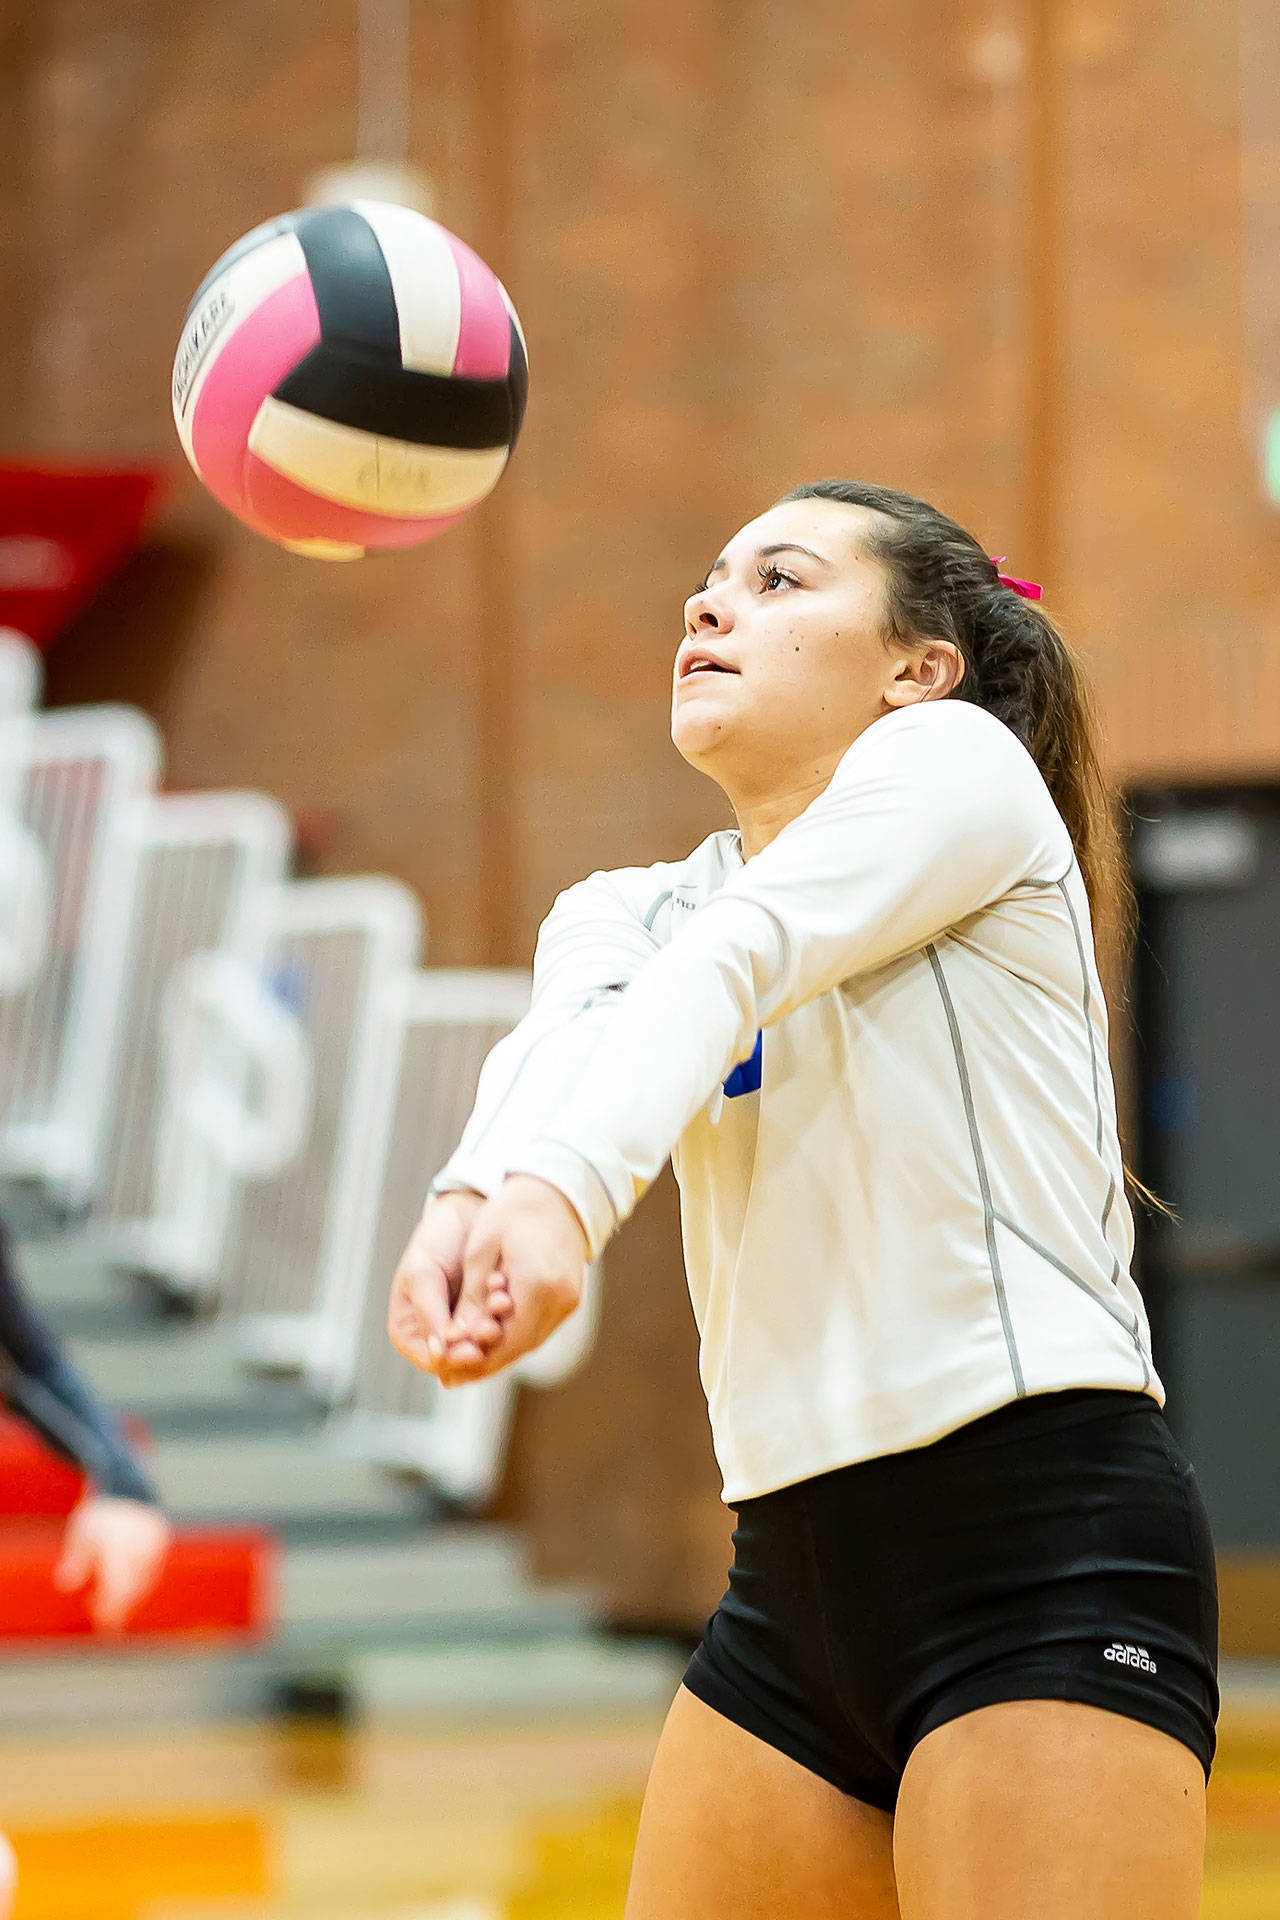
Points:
(117, 1536)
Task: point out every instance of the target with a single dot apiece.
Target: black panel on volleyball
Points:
(351, 283)
(1207, 867)
(517, 381)
(355, 376)
(337, 382)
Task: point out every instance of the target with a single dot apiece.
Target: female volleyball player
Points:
(965, 1667)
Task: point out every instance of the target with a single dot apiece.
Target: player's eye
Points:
(769, 574)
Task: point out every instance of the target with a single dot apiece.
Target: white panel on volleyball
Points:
(335, 948)
(437, 1028)
(75, 770)
(204, 861)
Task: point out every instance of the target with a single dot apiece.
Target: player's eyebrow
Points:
(766, 553)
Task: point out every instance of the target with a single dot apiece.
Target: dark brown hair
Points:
(941, 585)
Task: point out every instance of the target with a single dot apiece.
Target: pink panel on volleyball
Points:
(484, 332)
(283, 508)
(266, 346)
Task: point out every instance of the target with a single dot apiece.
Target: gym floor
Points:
(513, 1823)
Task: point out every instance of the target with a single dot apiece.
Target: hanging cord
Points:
(382, 113)
(380, 168)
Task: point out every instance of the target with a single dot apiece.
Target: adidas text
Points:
(1125, 1655)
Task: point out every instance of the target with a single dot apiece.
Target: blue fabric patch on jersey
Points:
(745, 1077)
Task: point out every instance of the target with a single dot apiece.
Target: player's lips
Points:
(696, 660)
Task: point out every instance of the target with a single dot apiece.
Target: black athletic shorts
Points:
(1057, 1549)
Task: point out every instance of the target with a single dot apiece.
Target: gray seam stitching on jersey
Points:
(1087, 996)
(552, 1140)
(984, 1184)
(1048, 885)
(1093, 1060)
(1114, 1311)
(598, 997)
(656, 909)
(83, 1442)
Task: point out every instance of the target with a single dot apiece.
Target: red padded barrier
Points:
(34, 1479)
(64, 530)
(216, 1583)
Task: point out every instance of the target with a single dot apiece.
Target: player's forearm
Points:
(682, 1025)
(525, 1079)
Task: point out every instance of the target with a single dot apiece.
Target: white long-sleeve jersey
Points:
(877, 1055)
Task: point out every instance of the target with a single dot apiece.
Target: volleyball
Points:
(350, 378)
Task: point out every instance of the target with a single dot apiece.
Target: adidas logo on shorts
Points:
(1125, 1655)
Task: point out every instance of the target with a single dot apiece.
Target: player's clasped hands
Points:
(482, 1282)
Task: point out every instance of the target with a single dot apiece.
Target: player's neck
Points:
(762, 818)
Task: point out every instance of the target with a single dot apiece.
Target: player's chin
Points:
(700, 729)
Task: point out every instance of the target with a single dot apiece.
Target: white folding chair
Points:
(437, 1028)
(21, 672)
(204, 861)
(332, 950)
(75, 770)
(234, 1106)
(25, 900)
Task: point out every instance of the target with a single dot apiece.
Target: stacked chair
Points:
(224, 1092)
(68, 883)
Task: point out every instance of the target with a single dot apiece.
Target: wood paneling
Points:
(15, 228)
(1249, 1598)
(1171, 559)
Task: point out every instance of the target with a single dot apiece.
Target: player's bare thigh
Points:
(734, 1830)
(1053, 1808)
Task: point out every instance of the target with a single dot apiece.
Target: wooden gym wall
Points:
(988, 252)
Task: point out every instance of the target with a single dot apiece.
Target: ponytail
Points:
(941, 585)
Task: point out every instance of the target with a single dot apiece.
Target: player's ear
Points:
(929, 672)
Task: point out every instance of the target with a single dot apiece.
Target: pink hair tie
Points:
(1027, 588)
